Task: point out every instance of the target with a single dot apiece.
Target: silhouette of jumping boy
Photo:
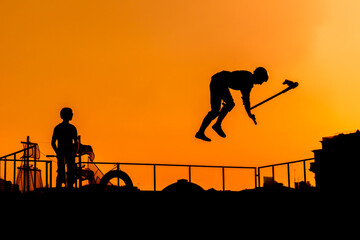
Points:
(219, 92)
(65, 134)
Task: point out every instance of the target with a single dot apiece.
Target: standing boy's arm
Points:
(53, 142)
(76, 144)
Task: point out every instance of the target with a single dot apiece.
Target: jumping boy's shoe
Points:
(201, 135)
(218, 130)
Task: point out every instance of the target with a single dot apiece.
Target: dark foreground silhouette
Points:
(337, 164)
(64, 143)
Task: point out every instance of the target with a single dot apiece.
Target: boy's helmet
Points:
(66, 113)
(261, 74)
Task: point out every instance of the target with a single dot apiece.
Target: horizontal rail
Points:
(172, 165)
(21, 160)
(14, 153)
(257, 173)
(278, 164)
(288, 169)
(189, 166)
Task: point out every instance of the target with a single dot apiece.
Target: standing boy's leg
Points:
(60, 178)
(70, 162)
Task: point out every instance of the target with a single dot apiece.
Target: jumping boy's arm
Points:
(246, 101)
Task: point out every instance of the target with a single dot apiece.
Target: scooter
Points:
(290, 84)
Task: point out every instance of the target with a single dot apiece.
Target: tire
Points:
(116, 174)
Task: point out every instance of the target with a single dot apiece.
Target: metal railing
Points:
(26, 160)
(190, 167)
(256, 170)
(272, 166)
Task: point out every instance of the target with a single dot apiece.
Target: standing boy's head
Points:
(66, 114)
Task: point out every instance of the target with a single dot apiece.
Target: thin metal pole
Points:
(118, 168)
(47, 174)
(27, 170)
(50, 173)
(255, 178)
(273, 174)
(288, 173)
(14, 168)
(80, 169)
(259, 177)
(154, 177)
(189, 173)
(5, 168)
(223, 178)
(304, 171)
(35, 172)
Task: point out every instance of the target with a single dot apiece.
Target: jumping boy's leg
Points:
(224, 111)
(227, 107)
(206, 122)
(215, 101)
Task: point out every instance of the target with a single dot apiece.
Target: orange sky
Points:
(137, 73)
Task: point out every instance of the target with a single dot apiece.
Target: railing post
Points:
(80, 168)
(259, 177)
(47, 174)
(118, 168)
(288, 173)
(14, 177)
(154, 177)
(5, 168)
(27, 169)
(189, 174)
(35, 172)
(255, 178)
(223, 178)
(50, 174)
(304, 171)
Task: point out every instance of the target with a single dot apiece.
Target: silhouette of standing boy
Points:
(219, 92)
(65, 134)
